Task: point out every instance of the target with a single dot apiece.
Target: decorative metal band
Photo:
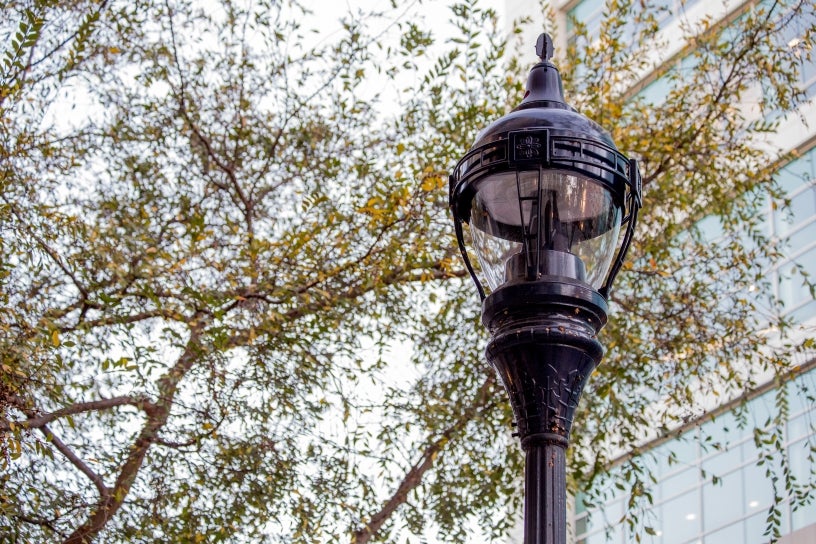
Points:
(463, 250)
(597, 159)
(543, 439)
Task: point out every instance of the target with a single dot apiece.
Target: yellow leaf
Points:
(430, 183)
(55, 338)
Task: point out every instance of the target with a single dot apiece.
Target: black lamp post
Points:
(545, 193)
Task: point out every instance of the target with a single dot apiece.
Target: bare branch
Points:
(163, 313)
(413, 478)
(39, 421)
(49, 523)
(69, 454)
(227, 169)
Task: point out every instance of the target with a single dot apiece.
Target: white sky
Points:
(435, 13)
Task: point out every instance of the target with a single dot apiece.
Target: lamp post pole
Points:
(544, 347)
(545, 194)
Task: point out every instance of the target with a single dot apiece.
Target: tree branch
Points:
(63, 43)
(157, 418)
(40, 421)
(51, 252)
(227, 169)
(49, 523)
(413, 478)
(163, 313)
(104, 492)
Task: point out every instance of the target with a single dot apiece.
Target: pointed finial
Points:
(544, 47)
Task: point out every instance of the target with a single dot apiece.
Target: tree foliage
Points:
(232, 305)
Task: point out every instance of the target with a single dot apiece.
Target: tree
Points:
(205, 267)
(210, 267)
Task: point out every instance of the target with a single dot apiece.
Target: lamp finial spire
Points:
(544, 47)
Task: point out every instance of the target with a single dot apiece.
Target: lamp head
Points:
(545, 192)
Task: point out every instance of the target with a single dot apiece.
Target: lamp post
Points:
(545, 194)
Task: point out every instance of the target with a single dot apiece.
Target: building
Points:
(711, 483)
(710, 486)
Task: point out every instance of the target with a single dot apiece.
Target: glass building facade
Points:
(795, 226)
(712, 483)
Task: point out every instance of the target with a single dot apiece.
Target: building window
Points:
(796, 38)
(587, 13)
(590, 14)
(710, 488)
(795, 226)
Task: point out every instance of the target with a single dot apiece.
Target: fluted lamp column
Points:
(550, 207)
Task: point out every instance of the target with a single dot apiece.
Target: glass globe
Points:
(539, 211)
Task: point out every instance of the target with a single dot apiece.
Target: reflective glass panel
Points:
(802, 206)
(558, 211)
(804, 313)
(803, 516)
(679, 455)
(679, 482)
(758, 488)
(802, 238)
(754, 528)
(588, 13)
(802, 456)
(799, 427)
(721, 501)
(681, 518)
(793, 175)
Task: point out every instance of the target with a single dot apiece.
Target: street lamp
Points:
(545, 193)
